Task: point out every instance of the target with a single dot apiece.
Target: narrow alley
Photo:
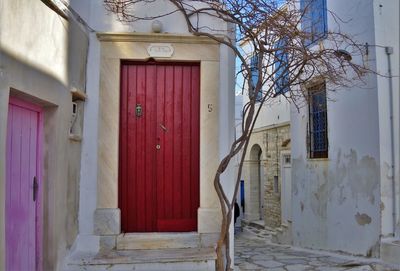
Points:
(255, 251)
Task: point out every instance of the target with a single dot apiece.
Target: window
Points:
(254, 76)
(286, 159)
(281, 68)
(314, 20)
(318, 122)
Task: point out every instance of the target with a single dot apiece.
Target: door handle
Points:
(35, 188)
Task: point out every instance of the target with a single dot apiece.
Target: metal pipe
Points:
(389, 51)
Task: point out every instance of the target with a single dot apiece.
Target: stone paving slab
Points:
(255, 251)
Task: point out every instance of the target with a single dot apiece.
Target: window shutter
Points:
(306, 21)
(314, 20)
(254, 75)
(319, 18)
(254, 70)
(281, 72)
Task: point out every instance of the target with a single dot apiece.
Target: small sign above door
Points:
(160, 50)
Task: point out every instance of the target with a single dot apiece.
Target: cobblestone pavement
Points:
(254, 251)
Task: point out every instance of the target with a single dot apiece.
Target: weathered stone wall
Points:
(272, 140)
(276, 140)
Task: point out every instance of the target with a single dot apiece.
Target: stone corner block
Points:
(107, 221)
(209, 220)
(108, 242)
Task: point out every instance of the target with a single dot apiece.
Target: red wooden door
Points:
(159, 147)
(23, 234)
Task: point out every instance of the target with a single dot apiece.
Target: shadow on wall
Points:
(61, 156)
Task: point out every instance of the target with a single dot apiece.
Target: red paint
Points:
(159, 188)
(23, 163)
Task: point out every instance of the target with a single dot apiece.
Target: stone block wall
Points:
(276, 140)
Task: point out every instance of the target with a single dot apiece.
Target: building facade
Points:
(265, 178)
(345, 142)
(180, 85)
(130, 121)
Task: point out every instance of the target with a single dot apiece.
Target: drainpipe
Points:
(389, 51)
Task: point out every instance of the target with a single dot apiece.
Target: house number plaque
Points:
(160, 50)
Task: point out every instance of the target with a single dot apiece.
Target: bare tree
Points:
(278, 55)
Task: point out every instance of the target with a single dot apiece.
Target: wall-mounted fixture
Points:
(343, 54)
(76, 122)
(156, 26)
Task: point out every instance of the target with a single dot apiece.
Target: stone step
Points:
(201, 259)
(390, 250)
(259, 224)
(130, 241)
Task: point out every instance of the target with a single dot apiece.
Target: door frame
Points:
(283, 154)
(115, 48)
(39, 164)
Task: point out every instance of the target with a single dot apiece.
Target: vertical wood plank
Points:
(32, 147)
(141, 152)
(160, 134)
(169, 137)
(132, 199)
(150, 147)
(195, 143)
(177, 147)
(8, 226)
(186, 137)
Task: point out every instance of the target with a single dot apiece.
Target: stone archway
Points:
(255, 197)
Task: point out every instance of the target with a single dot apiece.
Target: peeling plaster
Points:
(334, 190)
(363, 219)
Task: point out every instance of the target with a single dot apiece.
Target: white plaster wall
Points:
(35, 65)
(273, 112)
(35, 35)
(336, 201)
(238, 114)
(227, 124)
(88, 184)
(94, 13)
(386, 17)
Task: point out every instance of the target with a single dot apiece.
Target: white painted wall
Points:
(337, 201)
(24, 37)
(274, 111)
(37, 50)
(386, 18)
(94, 13)
(227, 122)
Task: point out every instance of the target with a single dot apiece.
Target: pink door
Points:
(23, 183)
